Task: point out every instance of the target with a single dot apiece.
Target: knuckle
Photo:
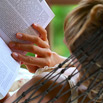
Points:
(33, 48)
(29, 59)
(36, 39)
(45, 32)
(18, 46)
(47, 45)
(49, 53)
(20, 58)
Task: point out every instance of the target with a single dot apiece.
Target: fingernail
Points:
(12, 44)
(19, 35)
(15, 55)
(35, 24)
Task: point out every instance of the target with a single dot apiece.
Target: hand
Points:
(45, 57)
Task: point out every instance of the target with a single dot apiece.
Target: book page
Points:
(33, 11)
(18, 16)
(8, 69)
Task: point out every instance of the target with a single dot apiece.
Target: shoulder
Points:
(46, 85)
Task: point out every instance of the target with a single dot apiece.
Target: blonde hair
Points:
(84, 20)
(78, 17)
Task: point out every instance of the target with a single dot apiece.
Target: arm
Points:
(49, 96)
(45, 57)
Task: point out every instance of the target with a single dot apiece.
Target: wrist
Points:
(57, 58)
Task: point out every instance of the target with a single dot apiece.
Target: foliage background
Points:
(57, 27)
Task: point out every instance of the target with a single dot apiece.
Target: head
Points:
(88, 13)
(79, 26)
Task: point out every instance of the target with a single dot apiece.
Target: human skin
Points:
(47, 97)
(50, 95)
(44, 48)
(45, 57)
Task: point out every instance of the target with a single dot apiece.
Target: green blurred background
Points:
(57, 26)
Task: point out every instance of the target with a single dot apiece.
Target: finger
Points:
(33, 39)
(6, 97)
(43, 32)
(32, 69)
(30, 48)
(28, 60)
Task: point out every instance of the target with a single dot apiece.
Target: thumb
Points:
(32, 69)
